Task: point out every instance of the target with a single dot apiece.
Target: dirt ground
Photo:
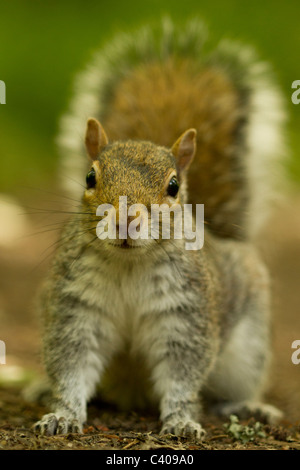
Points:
(108, 429)
(24, 260)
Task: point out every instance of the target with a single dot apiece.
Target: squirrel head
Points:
(145, 173)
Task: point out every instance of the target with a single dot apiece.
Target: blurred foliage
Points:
(244, 433)
(43, 43)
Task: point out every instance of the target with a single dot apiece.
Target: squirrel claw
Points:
(188, 429)
(50, 424)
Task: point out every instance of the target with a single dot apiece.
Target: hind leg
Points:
(262, 412)
(240, 374)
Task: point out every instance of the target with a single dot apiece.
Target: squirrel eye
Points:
(173, 187)
(91, 179)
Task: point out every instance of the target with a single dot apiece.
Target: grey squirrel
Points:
(179, 124)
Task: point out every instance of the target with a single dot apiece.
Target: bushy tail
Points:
(157, 82)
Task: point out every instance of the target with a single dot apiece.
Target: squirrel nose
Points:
(129, 219)
(123, 224)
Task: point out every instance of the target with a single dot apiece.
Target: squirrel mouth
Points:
(124, 245)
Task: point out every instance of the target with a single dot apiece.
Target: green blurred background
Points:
(43, 43)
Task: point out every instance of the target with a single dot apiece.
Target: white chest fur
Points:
(133, 300)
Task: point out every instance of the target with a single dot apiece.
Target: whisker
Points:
(82, 251)
(75, 181)
(55, 211)
(32, 188)
(61, 242)
(169, 257)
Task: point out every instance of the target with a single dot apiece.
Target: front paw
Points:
(51, 424)
(189, 429)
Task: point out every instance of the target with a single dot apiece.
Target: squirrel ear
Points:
(184, 149)
(95, 138)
